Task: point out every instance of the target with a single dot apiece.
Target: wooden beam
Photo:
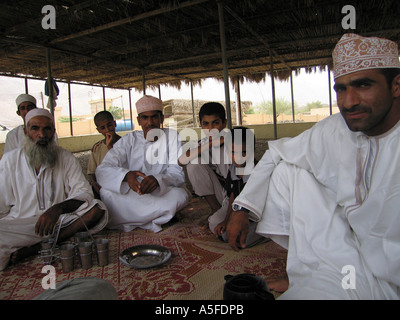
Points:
(255, 34)
(60, 12)
(128, 20)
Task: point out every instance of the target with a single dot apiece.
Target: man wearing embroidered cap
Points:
(142, 183)
(15, 138)
(42, 187)
(330, 196)
(363, 63)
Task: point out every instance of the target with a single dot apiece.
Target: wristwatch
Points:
(236, 207)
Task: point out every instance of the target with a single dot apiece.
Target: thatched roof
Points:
(118, 42)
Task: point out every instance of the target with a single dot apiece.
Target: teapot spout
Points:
(265, 295)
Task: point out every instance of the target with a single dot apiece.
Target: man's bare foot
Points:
(203, 223)
(279, 285)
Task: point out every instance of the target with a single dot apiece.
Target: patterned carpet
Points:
(195, 270)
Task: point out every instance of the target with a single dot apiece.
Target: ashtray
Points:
(144, 256)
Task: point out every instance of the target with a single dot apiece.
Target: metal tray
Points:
(144, 256)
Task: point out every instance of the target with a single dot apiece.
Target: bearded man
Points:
(43, 186)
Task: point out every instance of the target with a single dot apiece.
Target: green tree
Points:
(282, 106)
(312, 105)
(67, 119)
(250, 111)
(117, 112)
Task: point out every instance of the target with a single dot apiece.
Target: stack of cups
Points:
(85, 253)
(67, 254)
(46, 251)
(81, 237)
(102, 252)
(83, 242)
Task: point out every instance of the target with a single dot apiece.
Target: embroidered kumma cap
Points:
(148, 103)
(25, 97)
(355, 53)
(37, 112)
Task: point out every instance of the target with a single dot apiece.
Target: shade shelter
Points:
(139, 44)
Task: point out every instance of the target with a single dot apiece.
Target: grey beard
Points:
(39, 155)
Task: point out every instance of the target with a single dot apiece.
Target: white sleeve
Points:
(174, 175)
(7, 198)
(255, 191)
(113, 169)
(316, 150)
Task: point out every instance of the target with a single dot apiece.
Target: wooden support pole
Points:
(238, 103)
(191, 95)
(49, 82)
(130, 108)
(273, 96)
(292, 95)
(144, 82)
(224, 62)
(104, 99)
(330, 91)
(70, 110)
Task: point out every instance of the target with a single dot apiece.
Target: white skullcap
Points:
(25, 97)
(37, 112)
(355, 53)
(148, 103)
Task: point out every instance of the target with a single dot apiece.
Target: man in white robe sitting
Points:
(141, 182)
(331, 195)
(42, 187)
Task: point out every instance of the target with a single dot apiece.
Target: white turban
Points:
(38, 112)
(148, 103)
(25, 97)
(355, 53)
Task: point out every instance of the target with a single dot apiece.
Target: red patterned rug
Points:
(195, 270)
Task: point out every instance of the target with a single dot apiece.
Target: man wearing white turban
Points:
(331, 195)
(16, 137)
(141, 182)
(42, 188)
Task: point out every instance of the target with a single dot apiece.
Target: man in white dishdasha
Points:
(142, 183)
(331, 195)
(42, 187)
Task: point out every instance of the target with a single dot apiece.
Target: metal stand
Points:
(52, 254)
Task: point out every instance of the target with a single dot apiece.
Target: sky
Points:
(308, 87)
